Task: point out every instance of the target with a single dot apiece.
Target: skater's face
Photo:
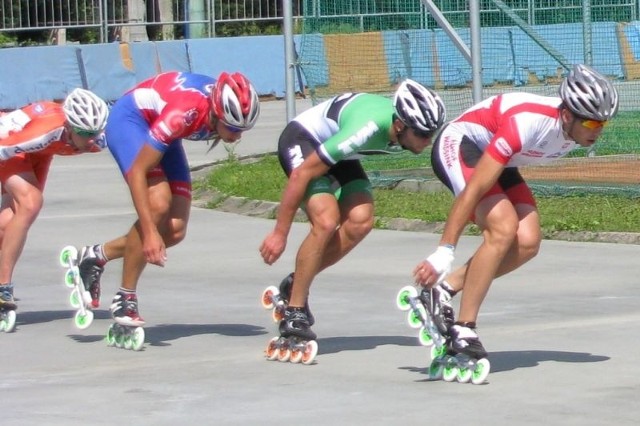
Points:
(411, 139)
(583, 131)
(81, 140)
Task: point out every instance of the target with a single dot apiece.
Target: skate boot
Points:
(466, 360)
(297, 341)
(127, 331)
(8, 308)
(277, 298)
(124, 309)
(437, 301)
(91, 268)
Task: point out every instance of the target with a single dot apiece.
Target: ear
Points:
(566, 115)
(398, 125)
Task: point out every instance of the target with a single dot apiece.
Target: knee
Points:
(177, 232)
(529, 243)
(324, 226)
(502, 234)
(29, 207)
(358, 228)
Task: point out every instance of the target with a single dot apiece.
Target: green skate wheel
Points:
(481, 372)
(438, 352)
(415, 318)
(268, 295)
(402, 299)
(435, 369)
(119, 338)
(310, 352)
(111, 336)
(464, 375)
(137, 339)
(449, 373)
(67, 255)
(271, 352)
(83, 321)
(70, 278)
(74, 299)
(127, 342)
(424, 337)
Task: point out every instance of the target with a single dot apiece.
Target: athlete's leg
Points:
(324, 216)
(499, 221)
(24, 198)
(356, 222)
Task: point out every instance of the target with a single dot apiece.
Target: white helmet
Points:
(85, 112)
(588, 94)
(418, 107)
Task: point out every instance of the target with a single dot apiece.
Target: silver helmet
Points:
(588, 94)
(419, 107)
(85, 111)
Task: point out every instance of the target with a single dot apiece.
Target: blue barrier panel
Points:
(260, 58)
(632, 33)
(173, 55)
(146, 62)
(410, 55)
(313, 58)
(106, 74)
(30, 74)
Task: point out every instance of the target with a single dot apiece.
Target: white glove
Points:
(441, 261)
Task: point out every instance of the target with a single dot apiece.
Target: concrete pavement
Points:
(561, 331)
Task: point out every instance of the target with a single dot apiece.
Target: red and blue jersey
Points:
(160, 112)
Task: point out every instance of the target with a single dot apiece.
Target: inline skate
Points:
(7, 309)
(434, 323)
(296, 342)
(79, 298)
(126, 331)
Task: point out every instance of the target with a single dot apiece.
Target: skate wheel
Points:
(416, 316)
(449, 373)
(481, 372)
(278, 313)
(284, 354)
(435, 369)
(268, 296)
(438, 352)
(464, 375)
(405, 293)
(296, 355)
(67, 254)
(74, 299)
(137, 339)
(111, 336)
(119, 337)
(127, 343)
(310, 352)
(8, 323)
(424, 337)
(83, 321)
(69, 278)
(271, 352)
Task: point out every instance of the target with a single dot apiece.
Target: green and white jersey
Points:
(349, 126)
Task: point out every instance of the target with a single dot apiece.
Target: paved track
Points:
(562, 331)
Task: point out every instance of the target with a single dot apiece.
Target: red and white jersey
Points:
(175, 105)
(39, 129)
(516, 129)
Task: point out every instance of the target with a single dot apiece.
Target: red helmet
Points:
(235, 101)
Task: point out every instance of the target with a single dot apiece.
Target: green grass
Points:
(264, 180)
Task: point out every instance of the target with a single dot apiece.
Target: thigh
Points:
(175, 167)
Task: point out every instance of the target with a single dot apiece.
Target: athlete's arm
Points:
(152, 242)
(312, 167)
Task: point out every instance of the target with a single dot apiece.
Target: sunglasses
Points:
(593, 124)
(233, 129)
(422, 133)
(85, 133)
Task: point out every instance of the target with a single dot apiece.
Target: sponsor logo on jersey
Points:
(295, 156)
(190, 117)
(360, 138)
(533, 153)
(503, 147)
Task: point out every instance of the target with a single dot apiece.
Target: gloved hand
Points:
(435, 268)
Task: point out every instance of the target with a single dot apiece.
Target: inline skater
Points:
(29, 138)
(145, 133)
(477, 156)
(318, 151)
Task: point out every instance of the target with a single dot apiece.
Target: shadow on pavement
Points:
(332, 345)
(511, 360)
